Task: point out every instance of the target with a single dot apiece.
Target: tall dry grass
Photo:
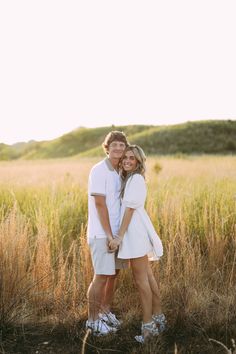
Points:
(44, 258)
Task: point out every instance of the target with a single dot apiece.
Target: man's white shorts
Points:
(104, 263)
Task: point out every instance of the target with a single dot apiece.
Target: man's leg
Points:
(109, 292)
(95, 294)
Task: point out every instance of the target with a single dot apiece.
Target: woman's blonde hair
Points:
(140, 169)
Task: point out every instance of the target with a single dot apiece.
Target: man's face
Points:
(116, 149)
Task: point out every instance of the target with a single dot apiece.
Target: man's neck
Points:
(114, 162)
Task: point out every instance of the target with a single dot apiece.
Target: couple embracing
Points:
(120, 233)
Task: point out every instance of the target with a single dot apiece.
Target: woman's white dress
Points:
(140, 237)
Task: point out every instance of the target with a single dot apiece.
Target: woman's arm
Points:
(125, 221)
(134, 197)
(113, 244)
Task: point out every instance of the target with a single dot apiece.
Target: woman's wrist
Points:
(118, 237)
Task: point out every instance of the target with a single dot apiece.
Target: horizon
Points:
(103, 126)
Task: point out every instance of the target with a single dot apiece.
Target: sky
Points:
(66, 64)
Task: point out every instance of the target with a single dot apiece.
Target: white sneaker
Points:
(139, 339)
(99, 327)
(160, 321)
(151, 329)
(110, 319)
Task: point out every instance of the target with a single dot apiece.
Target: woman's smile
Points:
(129, 162)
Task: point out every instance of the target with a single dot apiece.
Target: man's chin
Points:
(116, 156)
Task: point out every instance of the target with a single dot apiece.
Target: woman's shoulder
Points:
(136, 178)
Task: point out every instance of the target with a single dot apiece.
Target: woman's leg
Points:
(140, 273)
(156, 301)
(158, 316)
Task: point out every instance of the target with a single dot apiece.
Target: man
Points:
(103, 223)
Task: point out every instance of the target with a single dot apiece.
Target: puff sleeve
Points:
(135, 192)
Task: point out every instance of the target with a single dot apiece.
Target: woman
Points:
(138, 241)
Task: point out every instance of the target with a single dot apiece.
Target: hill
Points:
(209, 137)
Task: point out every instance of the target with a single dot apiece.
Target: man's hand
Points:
(113, 244)
(109, 249)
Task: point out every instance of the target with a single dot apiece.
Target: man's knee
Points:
(100, 279)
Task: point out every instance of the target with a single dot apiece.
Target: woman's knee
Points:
(141, 281)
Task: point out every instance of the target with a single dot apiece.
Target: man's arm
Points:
(113, 244)
(102, 210)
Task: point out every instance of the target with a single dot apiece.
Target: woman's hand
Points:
(114, 244)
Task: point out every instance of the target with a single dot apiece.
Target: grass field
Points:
(45, 266)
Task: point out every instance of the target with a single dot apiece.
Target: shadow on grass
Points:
(182, 337)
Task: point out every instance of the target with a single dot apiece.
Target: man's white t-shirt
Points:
(103, 180)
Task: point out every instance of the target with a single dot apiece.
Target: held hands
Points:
(114, 243)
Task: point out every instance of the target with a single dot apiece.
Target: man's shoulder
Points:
(99, 164)
(99, 167)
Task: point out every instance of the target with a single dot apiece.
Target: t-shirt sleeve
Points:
(135, 192)
(97, 182)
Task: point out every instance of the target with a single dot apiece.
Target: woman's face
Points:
(129, 162)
